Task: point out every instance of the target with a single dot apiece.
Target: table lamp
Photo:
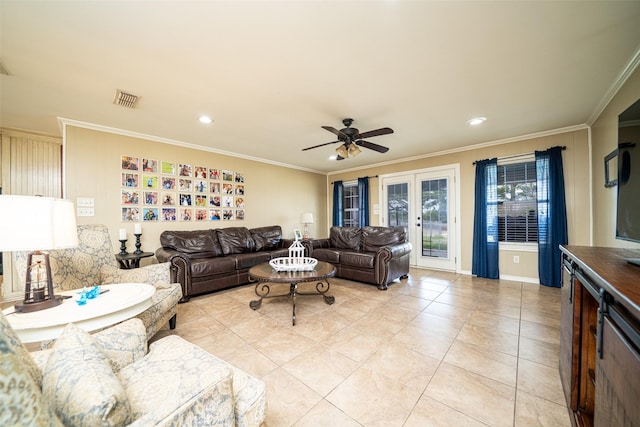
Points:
(306, 218)
(34, 223)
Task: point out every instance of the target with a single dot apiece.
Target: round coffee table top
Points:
(265, 273)
(121, 302)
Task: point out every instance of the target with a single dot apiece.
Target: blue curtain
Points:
(338, 191)
(363, 201)
(552, 215)
(485, 221)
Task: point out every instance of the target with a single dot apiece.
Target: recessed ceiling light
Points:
(205, 119)
(477, 121)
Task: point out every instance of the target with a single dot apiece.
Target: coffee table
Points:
(122, 301)
(264, 274)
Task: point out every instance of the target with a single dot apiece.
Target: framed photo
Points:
(611, 169)
(185, 214)
(168, 168)
(214, 187)
(214, 214)
(168, 199)
(240, 214)
(149, 214)
(130, 197)
(184, 170)
(150, 181)
(239, 177)
(227, 215)
(200, 186)
(201, 172)
(185, 199)
(169, 214)
(131, 214)
(227, 201)
(129, 163)
(130, 180)
(215, 201)
(201, 215)
(150, 197)
(149, 165)
(227, 176)
(214, 174)
(297, 234)
(168, 183)
(240, 190)
(201, 200)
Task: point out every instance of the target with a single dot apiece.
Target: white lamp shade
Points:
(306, 218)
(36, 223)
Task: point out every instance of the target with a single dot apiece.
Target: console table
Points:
(132, 260)
(600, 336)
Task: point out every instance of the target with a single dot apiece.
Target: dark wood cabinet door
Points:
(617, 380)
(568, 340)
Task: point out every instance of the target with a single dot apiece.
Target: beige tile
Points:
(539, 352)
(288, 399)
(431, 413)
(324, 414)
(490, 320)
(256, 329)
(410, 303)
(356, 344)
(424, 340)
(401, 364)
(540, 380)
(448, 311)
(544, 317)
(456, 300)
(496, 308)
(482, 361)
(533, 411)
(489, 338)
(385, 402)
(481, 398)
(284, 346)
(321, 368)
(536, 331)
(444, 325)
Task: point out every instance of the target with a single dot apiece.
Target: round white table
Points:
(122, 301)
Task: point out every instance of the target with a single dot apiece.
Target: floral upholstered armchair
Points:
(93, 262)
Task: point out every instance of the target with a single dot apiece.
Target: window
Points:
(350, 204)
(517, 211)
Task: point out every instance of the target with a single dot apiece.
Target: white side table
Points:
(122, 301)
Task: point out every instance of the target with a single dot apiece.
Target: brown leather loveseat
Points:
(214, 259)
(376, 255)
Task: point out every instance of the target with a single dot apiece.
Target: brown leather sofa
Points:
(214, 259)
(376, 255)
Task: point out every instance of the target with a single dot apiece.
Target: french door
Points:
(424, 202)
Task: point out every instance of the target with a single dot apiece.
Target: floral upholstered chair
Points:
(93, 262)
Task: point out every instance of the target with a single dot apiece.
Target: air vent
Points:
(125, 99)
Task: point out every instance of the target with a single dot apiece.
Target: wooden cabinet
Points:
(600, 336)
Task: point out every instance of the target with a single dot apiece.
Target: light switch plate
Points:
(85, 202)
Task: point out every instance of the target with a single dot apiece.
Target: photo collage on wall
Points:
(155, 190)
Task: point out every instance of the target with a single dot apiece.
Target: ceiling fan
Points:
(351, 138)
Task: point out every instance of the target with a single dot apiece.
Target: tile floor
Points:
(438, 349)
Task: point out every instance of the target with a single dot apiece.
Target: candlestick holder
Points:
(123, 247)
(138, 244)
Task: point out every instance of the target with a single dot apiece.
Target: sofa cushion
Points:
(81, 385)
(327, 255)
(267, 238)
(21, 400)
(357, 259)
(235, 240)
(373, 238)
(244, 261)
(194, 244)
(212, 266)
(345, 238)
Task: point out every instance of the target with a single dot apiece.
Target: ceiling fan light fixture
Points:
(476, 121)
(342, 151)
(354, 150)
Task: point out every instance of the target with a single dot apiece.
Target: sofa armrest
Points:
(399, 250)
(312, 244)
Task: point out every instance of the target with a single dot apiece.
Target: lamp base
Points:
(28, 307)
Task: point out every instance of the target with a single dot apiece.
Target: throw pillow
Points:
(14, 342)
(21, 401)
(123, 343)
(80, 383)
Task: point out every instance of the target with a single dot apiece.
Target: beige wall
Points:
(576, 171)
(274, 195)
(604, 139)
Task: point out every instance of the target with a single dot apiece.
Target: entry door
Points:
(424, 203)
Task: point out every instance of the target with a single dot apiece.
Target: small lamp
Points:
(353, 150)
(342, 151)
(306, 219)
(37, 223)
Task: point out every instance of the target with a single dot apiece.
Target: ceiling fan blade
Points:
(377, 132)
(334, 131)
(372, 146)
(319, 145)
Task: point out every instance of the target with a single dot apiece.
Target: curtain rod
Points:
(519, 155)
(372, 176)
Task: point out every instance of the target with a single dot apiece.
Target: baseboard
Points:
(534, 280)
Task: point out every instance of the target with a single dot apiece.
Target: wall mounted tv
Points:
(628, 213)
